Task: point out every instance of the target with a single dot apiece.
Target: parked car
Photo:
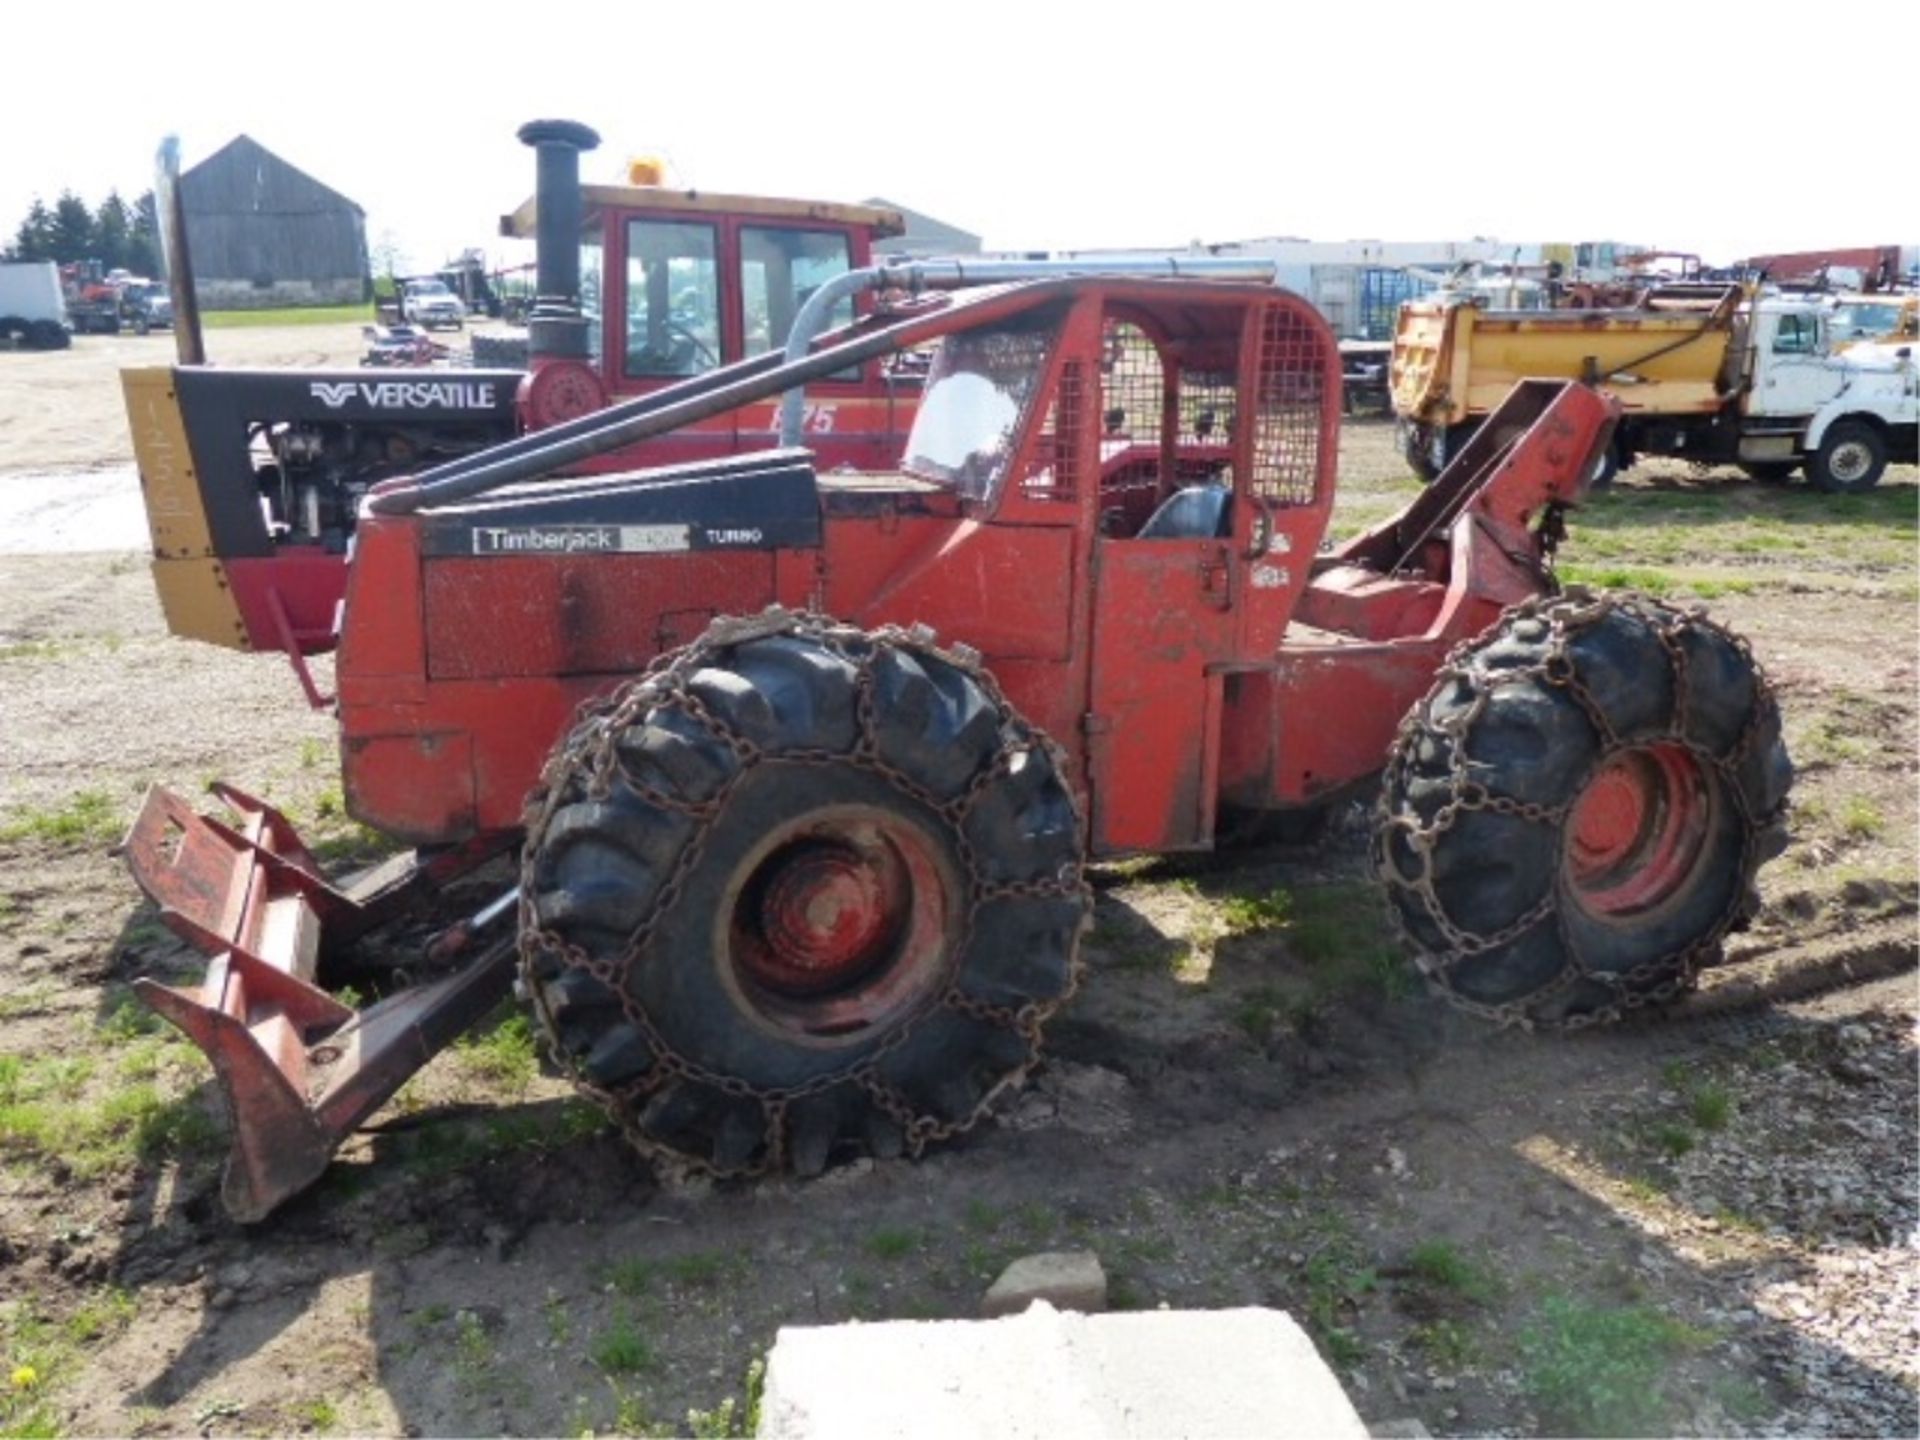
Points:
(432, 304)
(393, 345)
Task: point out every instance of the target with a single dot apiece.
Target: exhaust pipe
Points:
(188, 340)
(557, 329)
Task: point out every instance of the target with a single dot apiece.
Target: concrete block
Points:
(1048, 1375)
(1065, 1279)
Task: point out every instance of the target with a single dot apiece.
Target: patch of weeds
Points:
(1340, 932)
(473, 1352)
(503, 1054)
(1861, 819)
(1335, 1276)
(984, 1218)
(312, 753)
(321, 1414)
(1711, 1106)
(730, 1420)
(892, 1243)
(351, 843)
(1616, 577)
(1037, 1221)
(94, 1317)
(1447, 1343)
(1252, 914)
(701, 1269)
(430, 1315)
(1826, 741)
(1439, 1265)
(1745, 1400)
(559, 1322)
(1675, 1140)
(86, 819)
(621, 1350)
(1597, 1370)
(1713, 589)
(632, 1277)
(31, 650)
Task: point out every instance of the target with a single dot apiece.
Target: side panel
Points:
(195, 591)
(1161, 615)
(575, 615)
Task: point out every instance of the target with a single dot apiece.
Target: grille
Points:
(1287, 408)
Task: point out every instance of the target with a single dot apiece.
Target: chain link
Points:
(1653, 982)
(591, 750)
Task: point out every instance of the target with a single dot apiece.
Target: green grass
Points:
(86, 818)
(1597, 1370)
(38, 1355)
(620, 1350)
(1439, 1265)
(1251, 914)
(503, 1054)
(305, 315)
(1616, 577)
(892, 1244)
(1861, 818)
(1711, 1106)
(48, 1113)
(321, 1414)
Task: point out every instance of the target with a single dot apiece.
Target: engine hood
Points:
(768, 501)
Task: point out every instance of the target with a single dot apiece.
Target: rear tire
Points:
(1769, 472)
(48, 335)
(803, 890)
(1572, 818)
(1851, 458)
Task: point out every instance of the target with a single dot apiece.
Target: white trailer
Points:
(33, 312)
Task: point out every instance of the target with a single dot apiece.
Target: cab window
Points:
(779, 270)
(673, 299)
(1797, 335)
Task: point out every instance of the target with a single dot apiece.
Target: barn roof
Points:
(244, 150)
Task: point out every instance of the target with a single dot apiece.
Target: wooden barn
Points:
(265, 234)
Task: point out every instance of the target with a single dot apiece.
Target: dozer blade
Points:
(299, 1069)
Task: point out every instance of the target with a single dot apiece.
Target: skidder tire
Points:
(1572, 818)
(801, 890)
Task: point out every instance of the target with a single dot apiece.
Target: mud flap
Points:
(299, 1070)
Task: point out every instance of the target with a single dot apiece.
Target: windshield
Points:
(977, 392)
(1850, 322)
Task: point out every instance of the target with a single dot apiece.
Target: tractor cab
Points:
(677, 283)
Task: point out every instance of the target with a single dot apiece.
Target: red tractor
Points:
(804, 767)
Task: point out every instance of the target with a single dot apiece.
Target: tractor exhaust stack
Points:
(557, 328)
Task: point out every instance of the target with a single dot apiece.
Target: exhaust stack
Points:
(557, 328)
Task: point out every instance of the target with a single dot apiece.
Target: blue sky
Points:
(1036, 125)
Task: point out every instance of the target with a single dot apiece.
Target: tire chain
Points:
(1652, 983)
(591, 749)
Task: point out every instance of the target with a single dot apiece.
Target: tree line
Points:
(120, 236)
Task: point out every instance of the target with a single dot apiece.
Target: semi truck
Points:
(1706, 372)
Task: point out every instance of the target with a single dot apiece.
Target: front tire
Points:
(801, 890)
(1851, 458)
(1572, 818)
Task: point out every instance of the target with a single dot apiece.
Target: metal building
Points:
(265, 234)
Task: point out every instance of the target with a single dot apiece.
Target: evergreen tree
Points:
(34, 241)
(143, 242)
(72, 228)
(113, 233)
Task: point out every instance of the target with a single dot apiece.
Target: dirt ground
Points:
(1702, 1225)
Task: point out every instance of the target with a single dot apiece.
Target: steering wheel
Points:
(698, 348)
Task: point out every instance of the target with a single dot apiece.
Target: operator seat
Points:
(1193, 512)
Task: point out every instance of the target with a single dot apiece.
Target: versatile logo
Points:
(407, 394)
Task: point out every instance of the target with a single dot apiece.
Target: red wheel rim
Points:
(840, 922)
(1638, 830)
